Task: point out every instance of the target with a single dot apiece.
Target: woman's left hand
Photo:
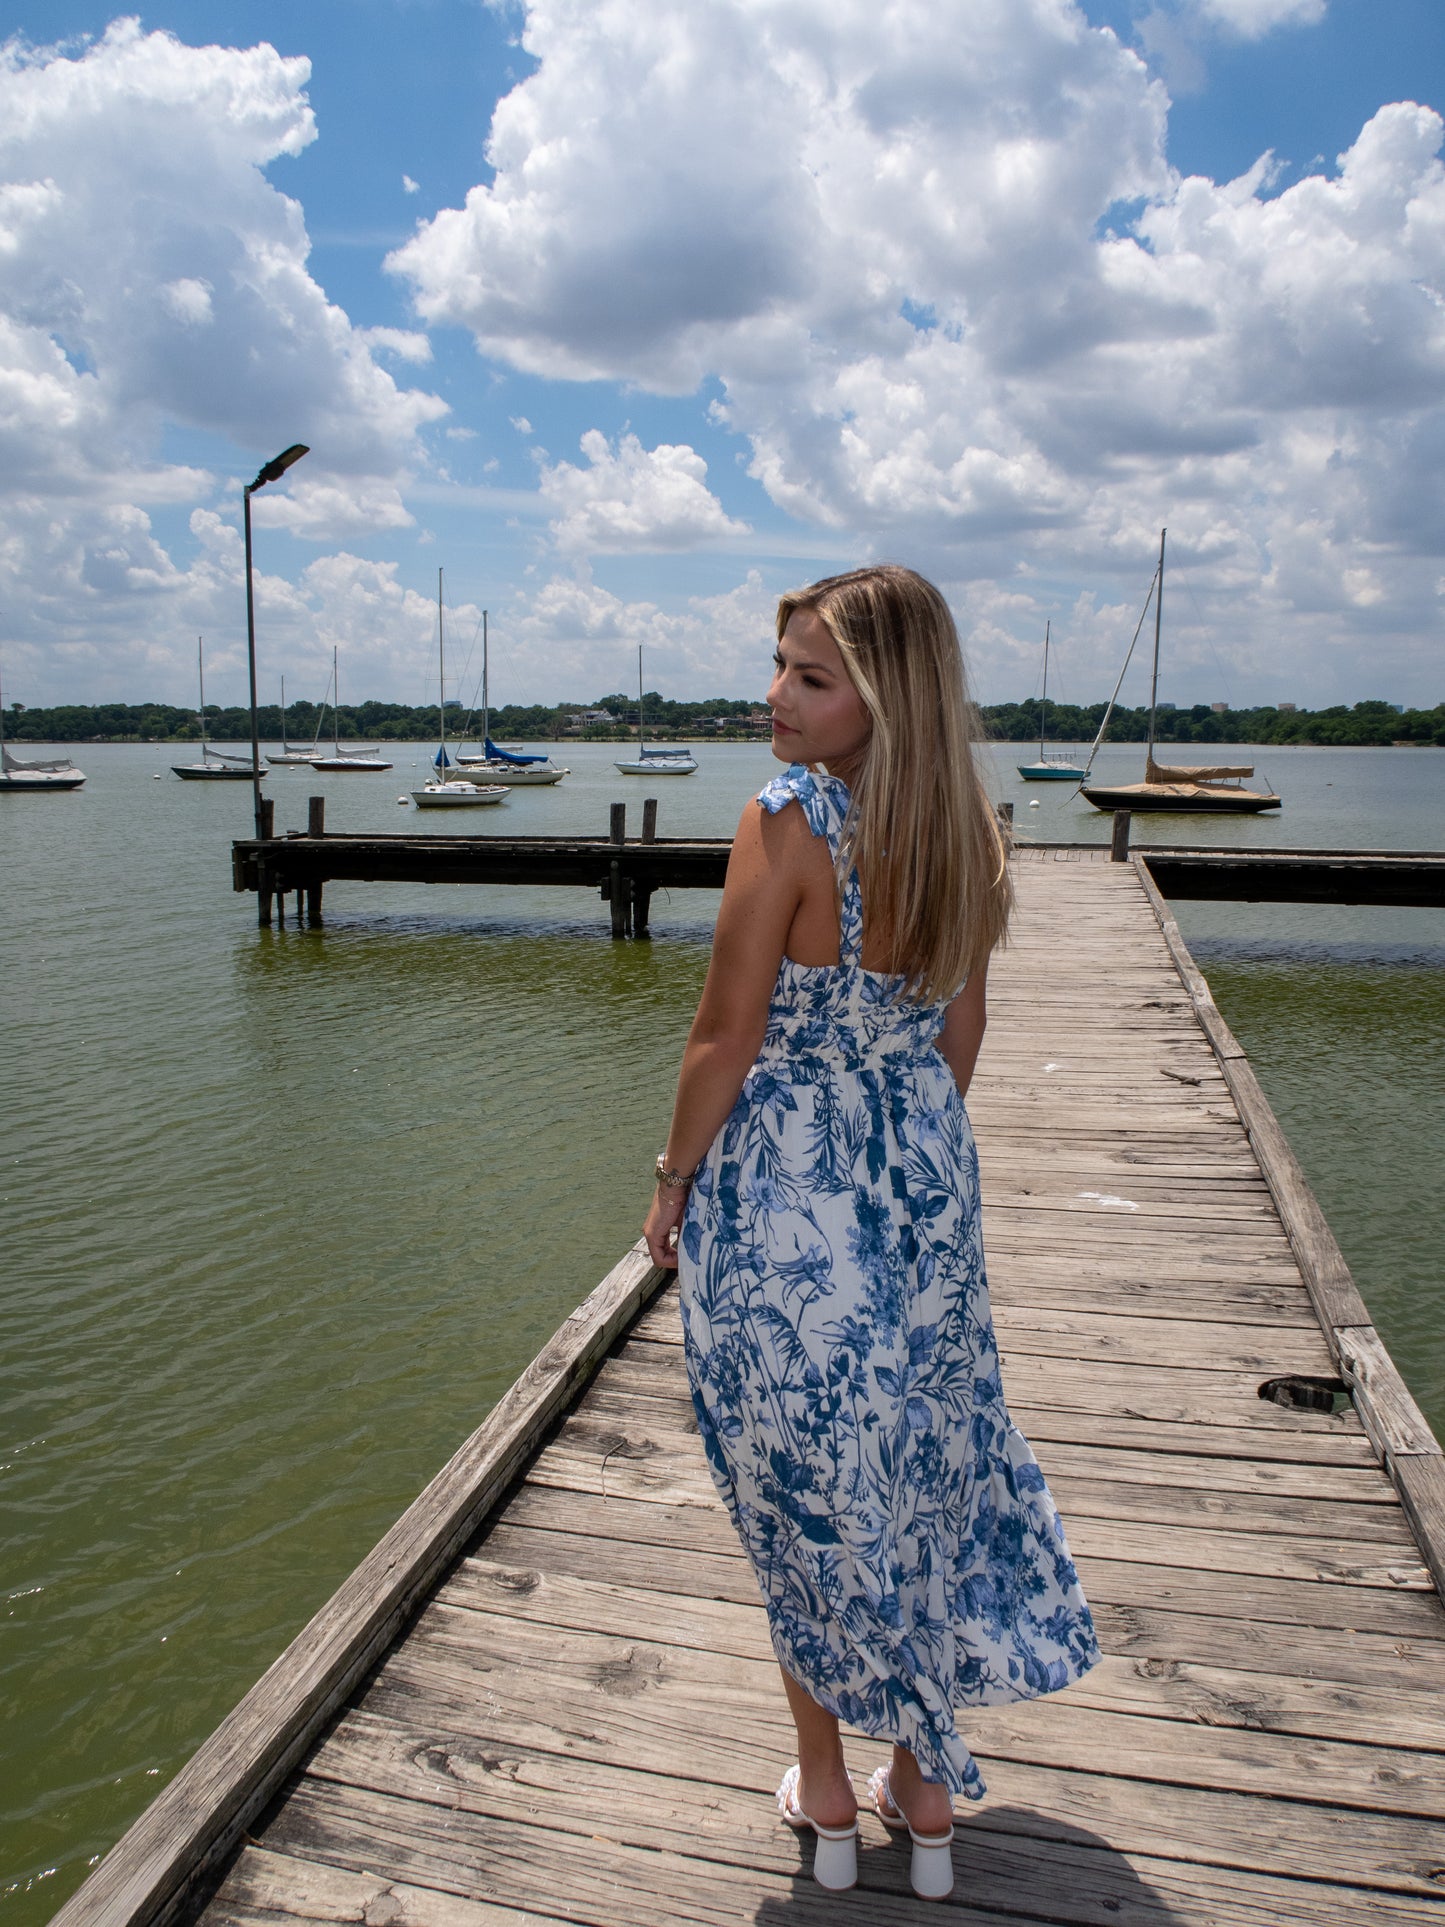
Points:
(664, 1221)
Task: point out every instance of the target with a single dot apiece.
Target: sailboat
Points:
(59, 774)
(1049, 769)
(362, 759)
(655, 762)
(1197, 788)
(449, 792)
(499, 763)
(213, 766)
(291, 757)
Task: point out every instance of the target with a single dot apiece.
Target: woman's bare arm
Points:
(760, 898)
(963, 1028)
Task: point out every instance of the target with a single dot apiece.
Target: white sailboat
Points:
(1049, 769)
(503, 762)
(449, 792)
(291, 757)
(214, 767)
(655, 762)
(58, 774)
(363, 759)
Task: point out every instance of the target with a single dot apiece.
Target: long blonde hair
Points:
(931, 859)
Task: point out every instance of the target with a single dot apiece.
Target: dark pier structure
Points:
(625, 871)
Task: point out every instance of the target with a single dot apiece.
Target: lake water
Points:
(285, 1211)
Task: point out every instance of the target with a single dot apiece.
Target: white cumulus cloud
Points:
(631, 497)
(154, 278)
(960, 307)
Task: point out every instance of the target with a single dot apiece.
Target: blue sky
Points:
(755, 289)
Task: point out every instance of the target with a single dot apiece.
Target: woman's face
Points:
(818, 716)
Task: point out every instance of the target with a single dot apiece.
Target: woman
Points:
(820, 1191)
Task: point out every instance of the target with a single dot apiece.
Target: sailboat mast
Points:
(335, 701)
(640, 742)
(1044, 698)
(201, 678)
(441, 679)
(285, 745)
(486, 692)
(1158, 621)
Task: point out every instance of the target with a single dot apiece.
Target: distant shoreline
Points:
(1194, 733)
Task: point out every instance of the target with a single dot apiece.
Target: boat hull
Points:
(658, 767)
(1050, 772)
(1173, 799)
(19, 780)
(208, 773)
(518, 778)
(294, 759)
(457, 796)
(353, 765)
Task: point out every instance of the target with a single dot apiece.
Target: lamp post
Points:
(272, 472)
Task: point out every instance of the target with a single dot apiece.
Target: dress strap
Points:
(824, 802)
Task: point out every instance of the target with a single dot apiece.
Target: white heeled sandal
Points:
(931, 1873)
(835, 1857)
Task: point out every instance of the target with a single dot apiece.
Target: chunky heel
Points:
(931, 1873)
(835, 1857)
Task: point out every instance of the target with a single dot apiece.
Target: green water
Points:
(285, 1211)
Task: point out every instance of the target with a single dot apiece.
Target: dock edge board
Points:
(149, 1877)
(1393, 1422)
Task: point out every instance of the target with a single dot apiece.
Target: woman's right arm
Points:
(760, 898)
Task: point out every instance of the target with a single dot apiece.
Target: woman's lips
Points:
(783, 729)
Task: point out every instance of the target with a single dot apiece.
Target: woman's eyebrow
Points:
(803, 662)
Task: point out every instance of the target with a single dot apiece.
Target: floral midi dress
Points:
(841, 1355)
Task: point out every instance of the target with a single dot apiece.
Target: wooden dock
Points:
(548, 1695)
(626, 871)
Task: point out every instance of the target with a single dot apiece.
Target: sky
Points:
(629, 314)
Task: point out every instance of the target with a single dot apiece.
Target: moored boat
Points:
(446, 792)
(504, 762)
(1049, 769)
(18, 775)
(654, 762)
(362, 760)
(1196, 789)
(214, 765)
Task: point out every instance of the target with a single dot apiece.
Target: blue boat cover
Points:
(441, 760)
(506, 755)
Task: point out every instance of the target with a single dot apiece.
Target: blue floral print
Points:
(841, 1354)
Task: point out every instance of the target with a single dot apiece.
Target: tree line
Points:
(724, 718)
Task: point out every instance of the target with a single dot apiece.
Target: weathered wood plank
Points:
(648, 1704)
(1394, 1422)
(497, 1777)
(1321, 1261)
(654, 1454)
(1132, 1615)
(1408, 1613)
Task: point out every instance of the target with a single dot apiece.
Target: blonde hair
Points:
(932, 861)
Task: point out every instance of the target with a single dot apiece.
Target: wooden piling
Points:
(268, 816)
(1119, 837)
(316, 816)
(649, 819)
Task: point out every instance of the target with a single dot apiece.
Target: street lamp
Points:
(272, 472)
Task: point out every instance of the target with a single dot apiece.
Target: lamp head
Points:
(278, 465)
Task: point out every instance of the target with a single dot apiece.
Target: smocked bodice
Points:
(839, 1014)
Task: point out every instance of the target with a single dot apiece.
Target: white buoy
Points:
(1034, 804)
(401, 799)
